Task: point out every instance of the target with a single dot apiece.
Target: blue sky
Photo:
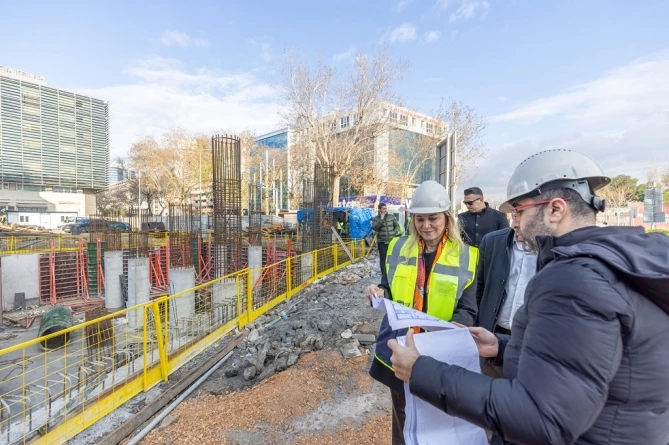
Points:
(589, 75)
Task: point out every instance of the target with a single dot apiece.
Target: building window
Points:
(355, 118)
(23, 219)
(404, 120)
(422, 124)
(343, 122)
(429, 128)
(34, 188)
(393, 115)
(19, 186)
(5, 186)
(413, 121)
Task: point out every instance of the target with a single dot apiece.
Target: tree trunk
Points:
(335, 191)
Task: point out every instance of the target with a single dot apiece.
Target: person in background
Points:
(505, 267)
(431, 270)
(386, 227)
(586, 362)
(479, 219)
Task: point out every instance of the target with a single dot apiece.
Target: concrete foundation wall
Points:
(113, 268)
(20, 273)
(139, 289)
(182, 308)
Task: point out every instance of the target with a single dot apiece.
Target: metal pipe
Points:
(135, 440)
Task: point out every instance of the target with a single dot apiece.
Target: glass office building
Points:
(51, 139)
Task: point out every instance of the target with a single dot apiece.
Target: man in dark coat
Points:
(587, 360)
(505, 268)
(479, 219)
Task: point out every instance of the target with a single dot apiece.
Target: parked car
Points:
(118, 226)
(82, 225)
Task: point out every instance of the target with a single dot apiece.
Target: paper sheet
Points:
(401, 317)
(425, 424)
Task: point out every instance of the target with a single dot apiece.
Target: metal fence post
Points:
(249, 294)
(289, 278)
(162, 347)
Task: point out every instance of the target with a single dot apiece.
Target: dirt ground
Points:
(323, 399)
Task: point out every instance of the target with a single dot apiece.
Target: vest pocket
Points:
(442, 295)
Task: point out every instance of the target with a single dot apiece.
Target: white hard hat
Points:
(430, 197)
(552, 169)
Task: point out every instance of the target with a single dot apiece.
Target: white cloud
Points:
(163, 94)
(346, 55)
(432, 36)
(466, 10)
(265, 52)
(400, 5)
(620, 119)
(403, 33)
(181, 39)
(624, 94)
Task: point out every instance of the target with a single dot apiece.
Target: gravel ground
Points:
(288, 382)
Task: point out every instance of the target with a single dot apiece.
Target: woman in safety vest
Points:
(430, 270)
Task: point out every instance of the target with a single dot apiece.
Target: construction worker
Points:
(430, 270)
(586, 361)
(386, 227)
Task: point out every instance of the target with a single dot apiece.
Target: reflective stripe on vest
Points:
(394, 257)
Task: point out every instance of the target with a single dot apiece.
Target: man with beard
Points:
(586, 361)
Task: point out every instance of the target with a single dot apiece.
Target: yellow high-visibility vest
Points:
(451, 274)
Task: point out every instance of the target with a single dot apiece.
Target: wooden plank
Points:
(139, 419)
(348, 252)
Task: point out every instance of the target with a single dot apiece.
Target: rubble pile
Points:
(331, 313)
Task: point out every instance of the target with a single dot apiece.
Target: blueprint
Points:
(425, 424)
(401, 317)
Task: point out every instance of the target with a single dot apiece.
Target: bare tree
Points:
(469, 127)
(335, 116)
(411, 154)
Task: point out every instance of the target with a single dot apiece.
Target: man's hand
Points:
(374, 291)
(486, 341)
(403, 357)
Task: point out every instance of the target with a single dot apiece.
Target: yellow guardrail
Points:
(24, 244)
(48, 395)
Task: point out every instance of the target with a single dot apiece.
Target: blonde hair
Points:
(452, 231)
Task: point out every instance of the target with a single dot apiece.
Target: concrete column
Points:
(113, 269)
(307, 266)
(139, 289)
(182, 308)
(255, 262)
(224, 300)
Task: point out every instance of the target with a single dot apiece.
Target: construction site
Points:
(96, 323)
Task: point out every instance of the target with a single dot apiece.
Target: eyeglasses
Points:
(518, 210)
(470, 203)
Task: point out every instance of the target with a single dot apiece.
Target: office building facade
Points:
(51, 141)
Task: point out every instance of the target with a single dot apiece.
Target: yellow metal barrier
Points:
(58, 385)
(24, 244)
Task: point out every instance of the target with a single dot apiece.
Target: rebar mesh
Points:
(227, 200)
(181, 235)
(323, 187)
(255, 215)
(307, 215)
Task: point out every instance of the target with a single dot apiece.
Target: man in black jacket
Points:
(587, 360)
(479, 219)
